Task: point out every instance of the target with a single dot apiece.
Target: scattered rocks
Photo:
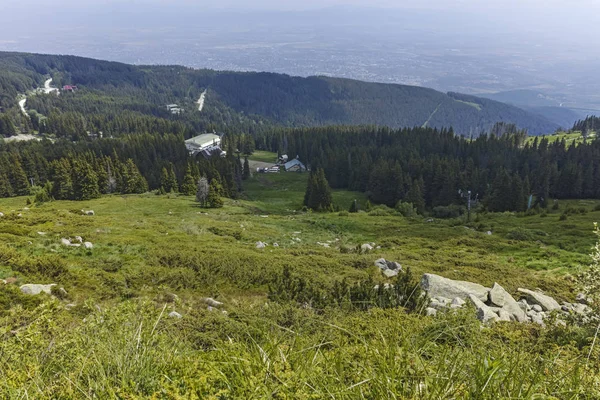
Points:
(388, 268)
(65, 242)
(88, 212)
(88, 245)
(34, 289)
(260, 245)
(175, 314)
(546, 302)
(495, 304)
(79, 239)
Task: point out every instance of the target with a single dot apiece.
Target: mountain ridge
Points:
(279, 98)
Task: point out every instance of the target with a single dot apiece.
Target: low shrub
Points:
(447, 212)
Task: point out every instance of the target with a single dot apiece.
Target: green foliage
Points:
(318, 195)
(406, 209)
(214, 199)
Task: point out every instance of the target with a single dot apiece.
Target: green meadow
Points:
(110, 335)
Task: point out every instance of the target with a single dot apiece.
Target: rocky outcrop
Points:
(499, 297)
(546, 302)
(437, 286)
(496, 304)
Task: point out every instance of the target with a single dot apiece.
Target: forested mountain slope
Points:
(251, 98)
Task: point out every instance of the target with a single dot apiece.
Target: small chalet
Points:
(294, 165)
(69, 88)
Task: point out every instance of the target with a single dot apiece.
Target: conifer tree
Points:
(18, 178)
(85, 181)
(188, 186)
(318, 193)
(214, 197)
(246, 170)
(62, 182)
(415, 196)
(354, 207)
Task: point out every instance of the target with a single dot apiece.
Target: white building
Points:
(207, 144)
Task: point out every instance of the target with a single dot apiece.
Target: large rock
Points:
(501, 298)
(546, 302)
(484, 313)
(437, 286)
(33, 288)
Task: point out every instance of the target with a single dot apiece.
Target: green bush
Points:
(447, 212)
(406, 209)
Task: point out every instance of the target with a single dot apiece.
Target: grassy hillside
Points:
(115, 339)
(253, 98)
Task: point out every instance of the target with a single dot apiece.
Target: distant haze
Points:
(471, 46)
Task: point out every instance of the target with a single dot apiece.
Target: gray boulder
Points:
(505, 316)
(34, 289)
(260, 245)
(457, 303)
(436, 285)
(390, 273)
(546, 302)
(484, 313)
(88, 245)
(537, 308)
(501, 298)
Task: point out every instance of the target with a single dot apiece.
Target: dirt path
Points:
(200, 101)
(22, 106)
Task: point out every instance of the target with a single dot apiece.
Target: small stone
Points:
(390, 273)
(175, 314)
(65, 242)
(211, 302)
(88, 245)
(260, 245)
(275, 245)
(366, 247)
(430, 312)
(79, 239)
(537, 308)
(582, 299)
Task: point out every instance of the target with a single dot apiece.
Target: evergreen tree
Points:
(415, 196)
(188, 186)
(62, 183)
(18, 178)
(85, 181)
(214, 198)
(318, 193)
(246, 170)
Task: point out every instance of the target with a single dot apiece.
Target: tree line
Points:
(431, 168)
(134, 164)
